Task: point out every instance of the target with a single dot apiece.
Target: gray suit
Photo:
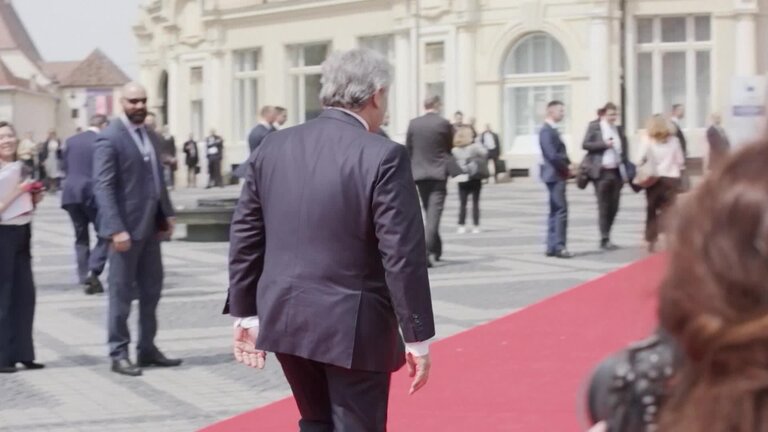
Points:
(78, 200)
(429, 141)
(327, 248)
(131, 196)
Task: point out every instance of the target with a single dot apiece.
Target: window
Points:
(385, 45)
(305, 69)
(197, 117)
(247, 66)
(433, 71)
(674, 66)
(434, 53)
(541, 57)
(536, 54)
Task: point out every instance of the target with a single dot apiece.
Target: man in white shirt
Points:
(606, 147)
(329, 275)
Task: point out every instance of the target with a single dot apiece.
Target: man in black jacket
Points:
(607, 159)
(429, 141)
(326, 271)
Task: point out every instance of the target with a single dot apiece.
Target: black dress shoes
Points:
(32, 365)
(608, 246)
(125, 367)
(93, 285)
(159, 360)
(8, 369)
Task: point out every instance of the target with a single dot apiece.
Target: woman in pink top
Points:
(663, 150)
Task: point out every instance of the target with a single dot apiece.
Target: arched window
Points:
(538, 53)
(534, 72)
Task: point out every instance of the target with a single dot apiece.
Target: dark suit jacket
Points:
(429, 141)
(555, 162)
(495, 152)
(596, 147)
(681, 137)
(327, 247)
(719, 146)
(124, 185)
(214, 141)
(257, 135)
(77, 161)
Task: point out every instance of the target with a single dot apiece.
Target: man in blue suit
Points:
(555, 171)
(78, 200)
(135, 213)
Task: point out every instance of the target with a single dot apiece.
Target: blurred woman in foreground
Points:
(714, 300)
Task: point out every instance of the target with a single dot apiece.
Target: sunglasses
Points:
(137, 101)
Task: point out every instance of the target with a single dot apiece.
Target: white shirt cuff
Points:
(247, 322)
(419, 349)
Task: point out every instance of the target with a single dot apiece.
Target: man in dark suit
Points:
(135, 213)
(490, 141)
(676, 117)
(429, 140)
(719, 144)
(214, 149)
(555, 171)
(322, 268)
(78, 200)
(607, 158)
(263, 128)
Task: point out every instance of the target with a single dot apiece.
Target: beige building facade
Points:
(210, 64)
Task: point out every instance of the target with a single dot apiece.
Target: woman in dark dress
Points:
(192, 159)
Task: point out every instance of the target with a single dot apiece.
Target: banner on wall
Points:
(748, 109)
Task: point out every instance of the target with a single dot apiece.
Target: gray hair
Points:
(352, 77)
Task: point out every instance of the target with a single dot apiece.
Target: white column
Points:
(174, 102)
(746, 52)
(404, 90)
(465, 73)
(599, 59)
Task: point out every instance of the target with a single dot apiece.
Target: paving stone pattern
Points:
(483, 276)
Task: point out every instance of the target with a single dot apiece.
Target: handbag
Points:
(646, 174)
(582, 176)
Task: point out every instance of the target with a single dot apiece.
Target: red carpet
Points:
(523, 372)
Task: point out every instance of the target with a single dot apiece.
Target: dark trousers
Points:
(466, 189)
(214, 174)
(659, 197)
(608, 191)
(17, 295)
(88, 261)
(432, 193)
(135, 273)
(335, 399)
(557, 222)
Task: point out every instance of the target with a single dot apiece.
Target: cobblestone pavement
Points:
(483, 276)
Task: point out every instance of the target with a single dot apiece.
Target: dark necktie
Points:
(146, 151)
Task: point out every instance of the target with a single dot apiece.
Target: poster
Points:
(748, 109)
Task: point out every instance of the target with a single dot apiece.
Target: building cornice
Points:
(284, 7)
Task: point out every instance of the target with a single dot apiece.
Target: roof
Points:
(9, 79)
(13, 34)
(59, 70)
(97, 70)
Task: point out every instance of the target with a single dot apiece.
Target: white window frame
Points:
(392, 95)
(528, 80)
(657, 49)
(241, 127)
(299, 92)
